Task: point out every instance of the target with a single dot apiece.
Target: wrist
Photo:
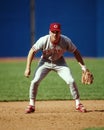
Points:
(83, 67)
(28, 67)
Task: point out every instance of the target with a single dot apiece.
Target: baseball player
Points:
(53, 47)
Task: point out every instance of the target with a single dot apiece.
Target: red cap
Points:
(55, 27)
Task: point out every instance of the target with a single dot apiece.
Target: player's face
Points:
(54, 36)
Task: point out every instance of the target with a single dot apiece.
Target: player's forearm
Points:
(79, 59)
(30, 58)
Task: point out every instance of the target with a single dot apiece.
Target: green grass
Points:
(102, 128)
(15, 87)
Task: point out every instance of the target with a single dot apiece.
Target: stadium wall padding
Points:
(81, 20)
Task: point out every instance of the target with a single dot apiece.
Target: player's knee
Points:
(35, 83)
(70, 81)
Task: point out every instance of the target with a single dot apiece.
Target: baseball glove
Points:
(87, 77)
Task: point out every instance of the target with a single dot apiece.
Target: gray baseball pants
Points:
(61, 68)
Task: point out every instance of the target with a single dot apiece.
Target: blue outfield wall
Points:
(14, 28)
(81, 20)
(100, 28)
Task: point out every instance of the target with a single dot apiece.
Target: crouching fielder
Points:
(53, 47)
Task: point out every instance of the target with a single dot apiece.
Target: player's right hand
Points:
(27, 73)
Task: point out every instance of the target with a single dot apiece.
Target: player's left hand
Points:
(87, 77)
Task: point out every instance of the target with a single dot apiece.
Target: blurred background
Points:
(22, 22)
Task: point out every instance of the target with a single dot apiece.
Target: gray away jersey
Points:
(54, 52)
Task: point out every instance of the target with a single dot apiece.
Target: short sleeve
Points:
(70, 46)
(40, 43)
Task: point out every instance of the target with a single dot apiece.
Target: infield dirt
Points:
(51, 115)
